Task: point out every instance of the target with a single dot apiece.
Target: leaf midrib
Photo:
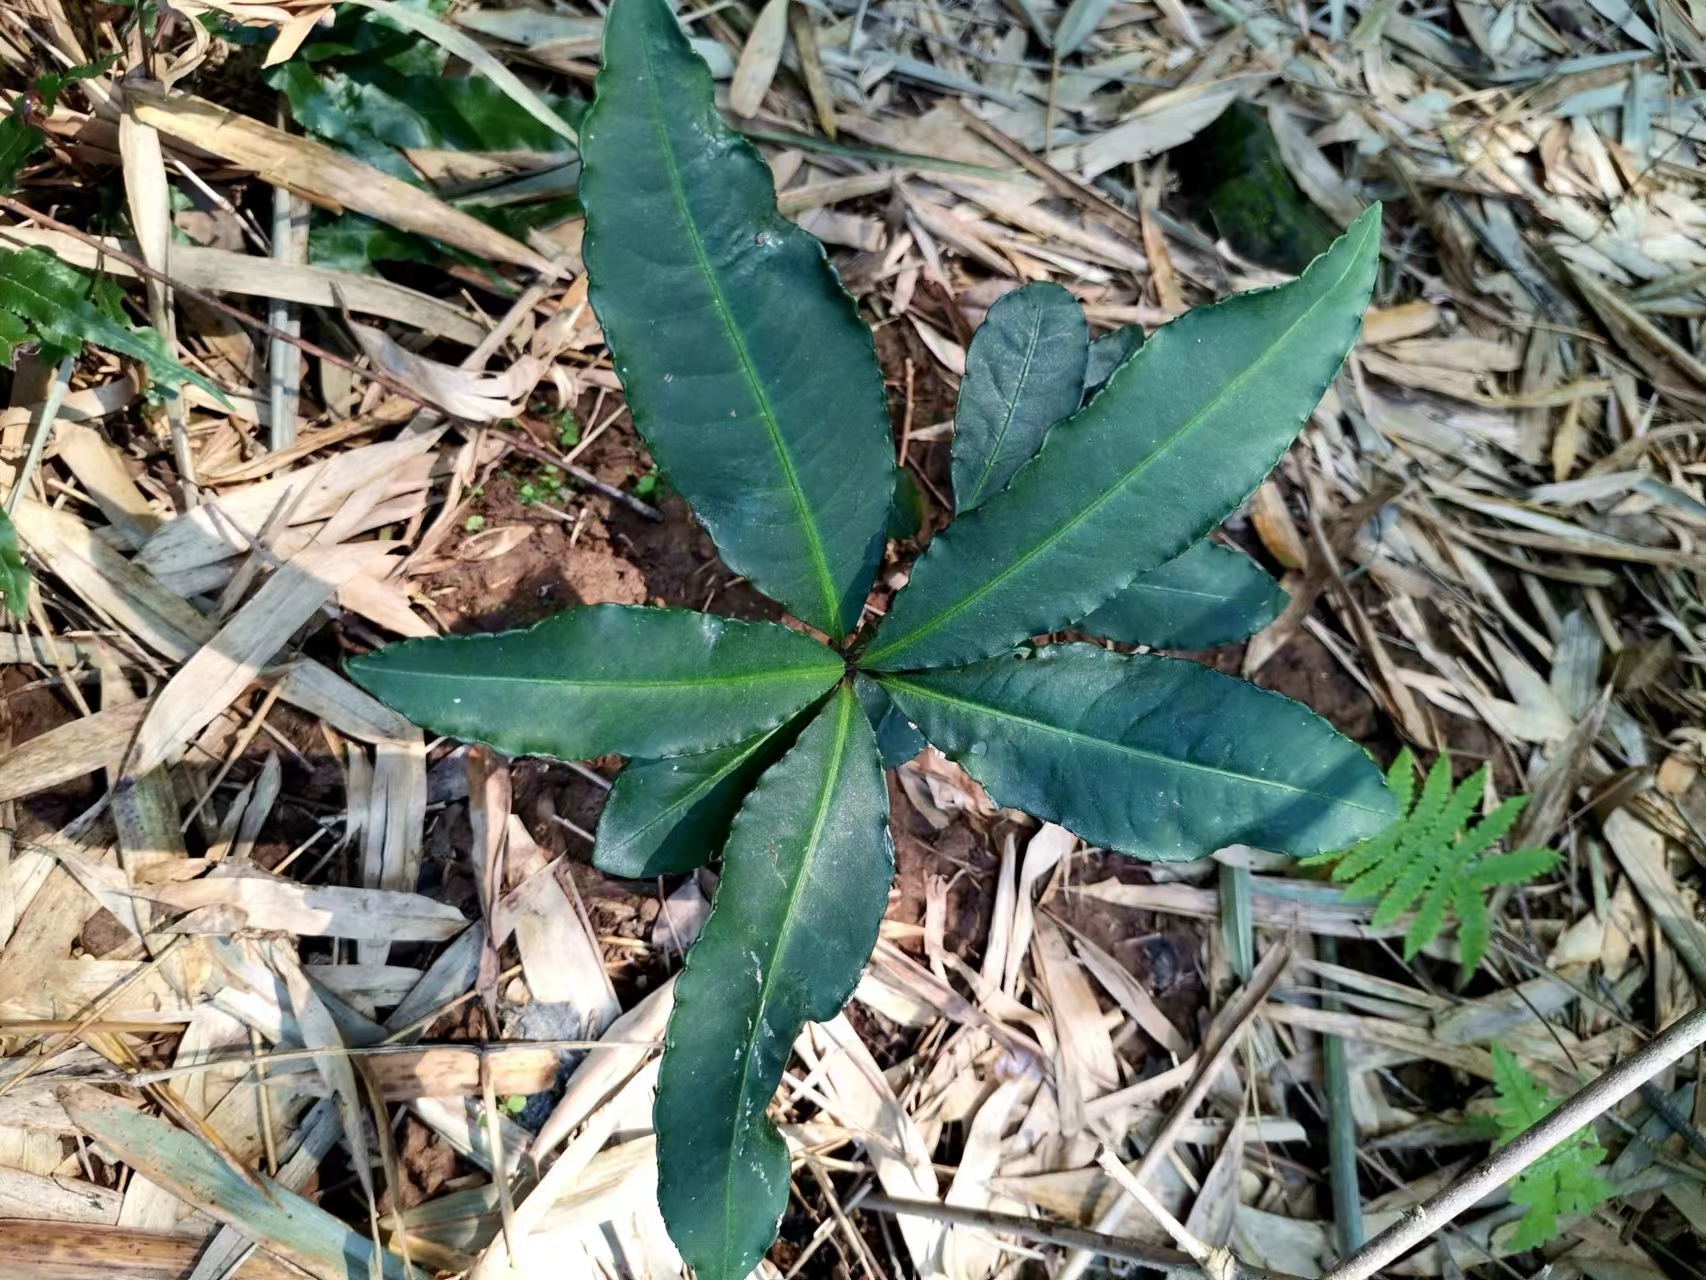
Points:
(1152, 757)
(813, 843)
(696, 792)
(1139, 584)
(554, 682)
(953, 611)
(1012, 408)
(767, 414)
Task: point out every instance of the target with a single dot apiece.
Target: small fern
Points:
(1432, 855)
(50, 302)
(1563, 1180)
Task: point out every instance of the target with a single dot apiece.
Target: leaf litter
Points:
(1489, 535)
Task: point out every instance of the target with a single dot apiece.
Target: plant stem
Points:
(1341, 1121)
(1625, 1078)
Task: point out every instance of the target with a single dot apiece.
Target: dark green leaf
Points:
(14, 574)
(13, 332)
(354, 242)
(1108, 353)
(603, 679)
(805, 880)
(53, 83)
(371, 110)
(1024, 373)
(1184, 432)
(1210, 595)
(19, 140)
(663, 817)
(897, 739)
(1157, 757)
(746, 366)
(906, 512)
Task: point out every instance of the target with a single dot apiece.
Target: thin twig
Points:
(1580, 1109)
(1093, 1242)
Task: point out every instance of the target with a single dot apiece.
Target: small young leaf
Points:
(1108, 353)
(1182, 434)
(667, 816)
(1024, 373)
(745, 363)
(1209, 595)
(14, 574)
(906, 512)
(19, 140)
(603, 679)
(805, 880)
(1157, 757)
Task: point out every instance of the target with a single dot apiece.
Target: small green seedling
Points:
(1435, 855)
(59, 308)
(756, 386)
(1561, 1182)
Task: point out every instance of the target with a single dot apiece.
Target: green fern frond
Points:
(53, 303)
(1563, 1182)
(1494, 827)
(1519, 866)
(1436, 855)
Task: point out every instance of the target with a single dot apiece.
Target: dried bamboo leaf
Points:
(286, 1224)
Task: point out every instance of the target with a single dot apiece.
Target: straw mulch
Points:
(253, 921)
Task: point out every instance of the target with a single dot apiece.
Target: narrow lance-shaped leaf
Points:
(1024, 373)
(667, 816)
(805, 879)
(1183, 432)
(1209, 595)
(745, 363)
(603, 679)
(1156, 757)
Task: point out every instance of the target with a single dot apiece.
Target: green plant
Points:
(14, 574)
(1563, 1180)
(756, 386)
(53, 304)
(1432, 854)
(19, 137)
